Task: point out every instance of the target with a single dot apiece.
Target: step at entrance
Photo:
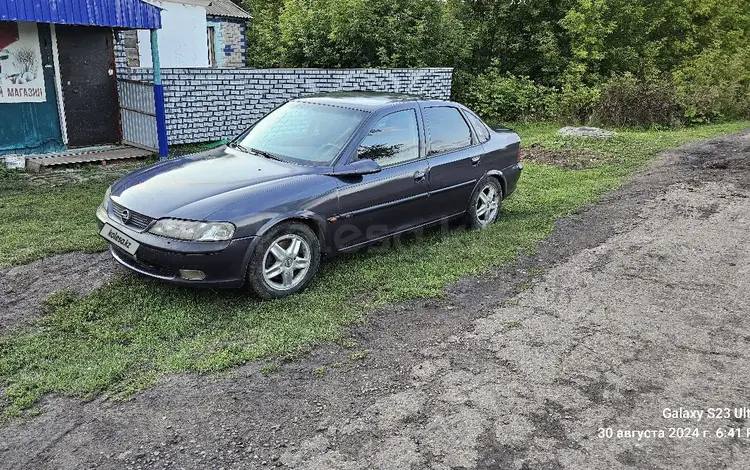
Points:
(74, 157)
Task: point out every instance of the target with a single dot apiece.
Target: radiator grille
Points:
(135, 220)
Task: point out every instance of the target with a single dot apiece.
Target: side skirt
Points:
(351, 248)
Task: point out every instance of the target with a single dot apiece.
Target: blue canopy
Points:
(134, 14)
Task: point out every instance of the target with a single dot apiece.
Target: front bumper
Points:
(224, 263)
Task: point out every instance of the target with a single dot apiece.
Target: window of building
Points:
(211, 33)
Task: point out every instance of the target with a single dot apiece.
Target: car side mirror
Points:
(361, 167)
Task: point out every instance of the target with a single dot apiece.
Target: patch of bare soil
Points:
(720, 155)
(642, 306)
(569, 159)
(23, 289)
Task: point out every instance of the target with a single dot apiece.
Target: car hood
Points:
(195, 186)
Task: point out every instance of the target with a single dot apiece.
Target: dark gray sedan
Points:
(318, 175)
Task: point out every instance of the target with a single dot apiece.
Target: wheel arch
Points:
(310, 219)
(496, 174)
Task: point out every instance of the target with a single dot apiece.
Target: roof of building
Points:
(111, 13)
(227, 9)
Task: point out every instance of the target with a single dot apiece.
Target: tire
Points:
(476, 216)
(269, 277)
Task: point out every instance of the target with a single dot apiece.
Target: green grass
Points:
(269, 369)
(128, 333)
(629, 146)
(359, 355)
(41, 221)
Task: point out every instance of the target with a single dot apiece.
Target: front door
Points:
(385, 203)
(87, 72)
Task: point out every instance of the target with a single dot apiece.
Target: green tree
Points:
(355, 33)
(262, 45)
(587, 27)
(568, 49)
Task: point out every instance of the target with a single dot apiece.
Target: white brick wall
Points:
(213, 104)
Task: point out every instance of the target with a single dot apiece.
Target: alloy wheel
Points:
(488, 204)
(286, 262)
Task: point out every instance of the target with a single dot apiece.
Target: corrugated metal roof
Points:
(113, 13)
(227, 9)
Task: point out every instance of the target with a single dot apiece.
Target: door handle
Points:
(475, 160)
(420, 176)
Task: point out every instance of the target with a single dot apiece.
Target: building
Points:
(227, 25)
(195, 33)
(58, 84)
(70, 91)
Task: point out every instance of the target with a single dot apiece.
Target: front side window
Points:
(479, 127)
(446, 129)
(303, 132)
(393, 139)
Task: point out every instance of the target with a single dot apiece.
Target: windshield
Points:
(305, 133)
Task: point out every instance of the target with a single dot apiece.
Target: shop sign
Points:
(21, 69)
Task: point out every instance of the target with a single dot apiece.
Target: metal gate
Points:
(138, 114)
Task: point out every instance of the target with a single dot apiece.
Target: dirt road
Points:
(637, 305)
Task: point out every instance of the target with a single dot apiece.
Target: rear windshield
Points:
(304, 133)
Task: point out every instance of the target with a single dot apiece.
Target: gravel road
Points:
(637, 304)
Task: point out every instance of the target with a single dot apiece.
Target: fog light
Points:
(191, 275)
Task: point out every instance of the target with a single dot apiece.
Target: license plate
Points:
(119, 239)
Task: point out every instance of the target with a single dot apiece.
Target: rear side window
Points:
(393, 139)
(446, 130)
(479, 127)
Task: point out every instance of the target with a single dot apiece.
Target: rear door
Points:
(455, 159)
(395, 199)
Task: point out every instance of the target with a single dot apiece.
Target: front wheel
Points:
(485, 204)
(284, 262)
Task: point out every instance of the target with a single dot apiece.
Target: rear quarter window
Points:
(483, 133)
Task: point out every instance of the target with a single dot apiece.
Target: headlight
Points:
(193, 231)
(104, 206)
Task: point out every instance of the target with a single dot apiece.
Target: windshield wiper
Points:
(235, 145)
(263, 153)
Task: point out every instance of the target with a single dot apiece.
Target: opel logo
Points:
(125, 216)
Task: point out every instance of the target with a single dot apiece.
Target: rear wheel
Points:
(485, 204)
(284, 262)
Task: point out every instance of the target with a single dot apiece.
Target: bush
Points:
(710, 87)
(574, 103)
(628, 101)
(715, 85)
(499, 97)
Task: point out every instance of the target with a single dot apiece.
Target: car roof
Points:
(361, 100)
